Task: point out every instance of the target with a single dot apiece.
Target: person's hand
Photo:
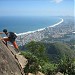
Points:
(1, 38)
(1, 32)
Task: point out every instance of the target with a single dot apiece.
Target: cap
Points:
(4, 30)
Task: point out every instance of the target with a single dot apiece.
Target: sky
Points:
(37, 7)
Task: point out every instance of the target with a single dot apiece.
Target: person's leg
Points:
(5, 40)
(16, 46)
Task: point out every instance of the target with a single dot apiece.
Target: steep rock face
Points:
(8, 64)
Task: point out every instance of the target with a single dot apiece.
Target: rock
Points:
(59, 73)
(30, 74)
(40, 73)
(22, 60)
(8, 63)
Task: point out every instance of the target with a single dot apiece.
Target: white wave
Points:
(73, 32)
(40, 29)
(57, 23)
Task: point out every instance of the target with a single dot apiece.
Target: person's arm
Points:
(1, 38)
(1, 32)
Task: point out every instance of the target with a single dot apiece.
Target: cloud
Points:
(56, 1)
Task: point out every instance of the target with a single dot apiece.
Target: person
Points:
(11, 36)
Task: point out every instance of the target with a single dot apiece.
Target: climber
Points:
(11, 36)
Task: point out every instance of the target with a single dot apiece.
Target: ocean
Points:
(26, 23)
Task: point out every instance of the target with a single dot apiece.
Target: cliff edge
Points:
(9, 65)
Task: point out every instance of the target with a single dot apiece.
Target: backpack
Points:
(12, 35)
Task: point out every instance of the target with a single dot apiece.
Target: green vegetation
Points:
(33, 63)
(71, 43)
(49, 58)
(57, 51)
(67, 66)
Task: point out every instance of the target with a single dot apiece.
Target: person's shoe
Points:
(19, 53)
(17, 50)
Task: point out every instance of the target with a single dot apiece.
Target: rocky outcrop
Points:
(9, 65)
(38, 73)
(59, 73)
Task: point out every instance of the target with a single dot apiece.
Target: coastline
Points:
(41, 29)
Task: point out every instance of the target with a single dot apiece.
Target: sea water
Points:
(19, 24)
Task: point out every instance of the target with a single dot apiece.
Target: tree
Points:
(49, 68)
(67, 66)
(37, 49)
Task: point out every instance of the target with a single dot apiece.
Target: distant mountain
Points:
(57, 51)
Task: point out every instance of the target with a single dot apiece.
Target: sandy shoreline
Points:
(41, 28)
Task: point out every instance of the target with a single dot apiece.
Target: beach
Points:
(29, 32)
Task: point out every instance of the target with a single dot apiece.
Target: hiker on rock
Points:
(11, 36)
